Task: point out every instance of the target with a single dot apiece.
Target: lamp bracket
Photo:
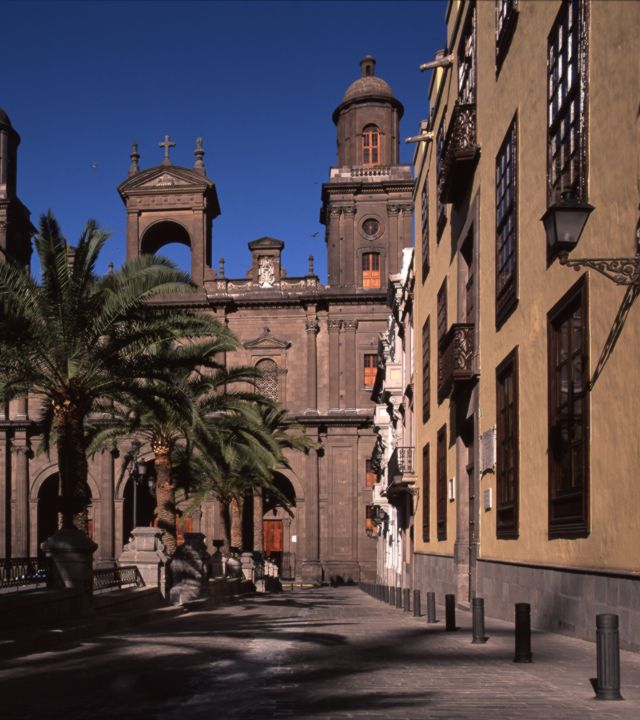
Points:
(623, 270)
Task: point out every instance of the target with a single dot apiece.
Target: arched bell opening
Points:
(171, 240)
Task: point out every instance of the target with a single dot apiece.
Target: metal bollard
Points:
(450, 612)
(607, 684)
(406, 599)
(477, 610)
(416, 603)
(431, 607)
(523, 633)
(398, 598)
(392, 595)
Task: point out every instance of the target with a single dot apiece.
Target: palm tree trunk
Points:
(72, 465)
(165, 496)
(235, 517)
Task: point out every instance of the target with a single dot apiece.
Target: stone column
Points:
(106, 540)
(349, 257)
(334, 242)
(4, 480)
(333, 327)
(349, 376)
(394, 258)
(20, 495)
(312, 327)
(311, 570)
(258, 512)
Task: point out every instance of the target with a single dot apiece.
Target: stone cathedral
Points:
(316, 345)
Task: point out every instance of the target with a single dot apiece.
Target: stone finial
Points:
(110, 267)
(310, 269)
(221, 267)
(199, 153)
(134, 168)
(368, 66)
(166, 144)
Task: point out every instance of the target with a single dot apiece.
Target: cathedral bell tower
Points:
(367, 206)
(15, 228)
(167, 204)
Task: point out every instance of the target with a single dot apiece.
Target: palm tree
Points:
(173, 430)
(80, 341)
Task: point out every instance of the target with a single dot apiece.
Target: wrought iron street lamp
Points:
(564, 222)
(138, 473)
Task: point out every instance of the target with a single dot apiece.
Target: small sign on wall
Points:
(488, 498)
(452, 489)
(488, 442)
(294, 538)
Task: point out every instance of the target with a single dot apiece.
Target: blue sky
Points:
(257, 80)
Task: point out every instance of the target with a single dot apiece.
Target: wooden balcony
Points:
(401, 471)
(456, 358)
(460, 152)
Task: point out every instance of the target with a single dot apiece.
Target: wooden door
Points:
(371, 270)
(272, 531)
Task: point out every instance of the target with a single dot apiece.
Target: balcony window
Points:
(567, 102)
(507, 226)
(424, 208)
(426, 370)
(467, 60)
(370, 370)
(426, 490)
(371, 145)
(507, 447)
(440, 206)
(568, 367)
(371, 277)
(441, 479)
(506, 19)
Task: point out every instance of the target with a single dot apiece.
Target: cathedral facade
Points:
(315, 343)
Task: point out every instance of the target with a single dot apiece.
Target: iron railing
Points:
(117, 578)
(25, 573)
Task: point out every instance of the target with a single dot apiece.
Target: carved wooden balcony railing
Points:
(459, 153)
(401, 470)
(456, 358)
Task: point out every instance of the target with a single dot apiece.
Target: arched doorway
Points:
(278, 527)
(48, 516)
(139, 506)
(49, 519)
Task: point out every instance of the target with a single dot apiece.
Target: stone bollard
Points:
(431, 607)
(477, 610)
(146, 551)
(523, 633)
(406, 599)
(416, 603)
(399, 598)
(450, 612)
(392, 595)
(607, 684)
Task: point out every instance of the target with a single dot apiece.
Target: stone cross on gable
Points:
(166, 144)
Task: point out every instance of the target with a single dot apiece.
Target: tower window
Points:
(267, 385)
(371, 145)
(370, 370)
(371, 270)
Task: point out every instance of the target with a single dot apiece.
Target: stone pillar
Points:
(4, 480)
(349, 376)
(312, 327)
(20, 495)
(333, 327)
(394, 257)
(349, 262)
(258, 512)
(311, 570)
(106, 541)
(146, 551)
(334, 243)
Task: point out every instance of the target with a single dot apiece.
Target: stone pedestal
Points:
(71, 555)
(248, 566)
(189, 570)
(146, 551)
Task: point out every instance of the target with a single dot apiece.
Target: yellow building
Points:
(527, 380)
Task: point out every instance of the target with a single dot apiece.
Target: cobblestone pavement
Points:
(326, 653)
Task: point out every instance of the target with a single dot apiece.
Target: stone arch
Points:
(163, 232)
(45, 473)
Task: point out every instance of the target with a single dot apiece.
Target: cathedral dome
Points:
(367, 84)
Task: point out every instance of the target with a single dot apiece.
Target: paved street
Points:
(326, 653)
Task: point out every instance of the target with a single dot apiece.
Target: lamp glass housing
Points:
(564, 222)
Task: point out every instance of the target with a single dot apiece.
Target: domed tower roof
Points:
(368, 87)
(4, 119)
